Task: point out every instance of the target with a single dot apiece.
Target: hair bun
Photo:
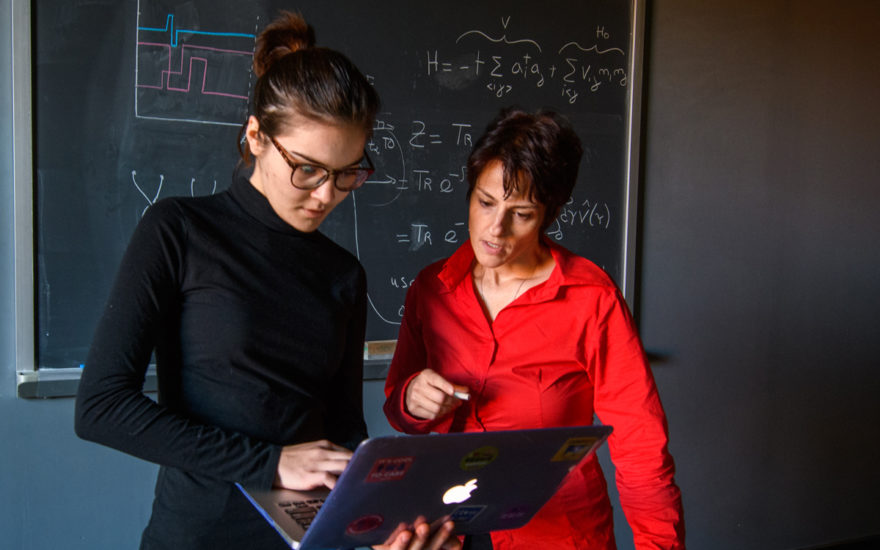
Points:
(286, 34)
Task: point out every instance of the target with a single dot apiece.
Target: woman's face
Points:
(502, 231)
(334, 146)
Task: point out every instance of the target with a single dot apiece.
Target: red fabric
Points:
(562, 351)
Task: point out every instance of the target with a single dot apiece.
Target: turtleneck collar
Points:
(257, 206)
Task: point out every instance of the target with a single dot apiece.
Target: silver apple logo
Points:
(459, 493)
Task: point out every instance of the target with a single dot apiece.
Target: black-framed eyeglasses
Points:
(311, 175)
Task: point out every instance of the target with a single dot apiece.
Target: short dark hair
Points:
(539, 152)
(296, 78)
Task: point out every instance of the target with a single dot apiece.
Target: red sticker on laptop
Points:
(574, 449)
(390, 469)
(478, 458)
(364, 524)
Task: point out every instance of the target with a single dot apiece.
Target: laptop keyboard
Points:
(302, 511)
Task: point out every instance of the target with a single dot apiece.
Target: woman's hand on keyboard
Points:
(311, 465)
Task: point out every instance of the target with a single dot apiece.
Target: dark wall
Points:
(758, 281)
(760, 267)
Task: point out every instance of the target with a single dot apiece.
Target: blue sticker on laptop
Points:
(574, 449)
(464, 514)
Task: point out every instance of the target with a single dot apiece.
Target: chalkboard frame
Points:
(33, 382)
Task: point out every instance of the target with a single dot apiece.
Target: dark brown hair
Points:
(540, 154)
(297, 79)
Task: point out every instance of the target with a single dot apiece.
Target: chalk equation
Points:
(502, 64)
(194, 71)
(396, 172)
(420, 234)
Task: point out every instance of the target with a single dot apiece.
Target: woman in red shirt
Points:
(536, 337)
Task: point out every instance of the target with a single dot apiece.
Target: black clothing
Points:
(477, 542)
(258, 333)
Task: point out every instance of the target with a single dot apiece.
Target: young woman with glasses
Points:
(256, 319)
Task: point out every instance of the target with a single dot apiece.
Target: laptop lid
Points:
(483, 481)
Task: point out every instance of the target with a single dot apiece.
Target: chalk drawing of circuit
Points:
(189, 75)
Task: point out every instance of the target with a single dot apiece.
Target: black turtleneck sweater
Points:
(258, 335)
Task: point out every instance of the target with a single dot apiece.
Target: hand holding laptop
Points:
(430, 396)
(422, 537)
(311, 465)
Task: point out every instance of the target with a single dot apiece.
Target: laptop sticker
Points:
(467, 513)
(390, 469)
(515, 513)
(479, 458)
(364, 524)
(574, 449)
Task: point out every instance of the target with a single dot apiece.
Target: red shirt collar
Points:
(570, 270)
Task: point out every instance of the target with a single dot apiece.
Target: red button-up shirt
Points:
(561, 352)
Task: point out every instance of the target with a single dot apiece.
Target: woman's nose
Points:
(499, 224)
(326, 191)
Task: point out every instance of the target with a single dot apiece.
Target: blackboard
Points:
(139, 100)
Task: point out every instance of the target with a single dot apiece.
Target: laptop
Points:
(483, 481)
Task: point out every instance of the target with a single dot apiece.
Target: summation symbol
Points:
(514, 63)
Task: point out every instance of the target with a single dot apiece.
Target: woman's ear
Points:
(255, 139)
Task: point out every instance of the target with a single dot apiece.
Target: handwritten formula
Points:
(413, 209)
(505, 60)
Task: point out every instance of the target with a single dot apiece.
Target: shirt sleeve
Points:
(627, 399)
(410, 358)
(111, 407)
(346, 409)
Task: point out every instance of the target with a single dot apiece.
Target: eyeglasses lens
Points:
(307, 176)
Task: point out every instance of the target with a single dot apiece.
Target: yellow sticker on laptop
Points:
(479, 458)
